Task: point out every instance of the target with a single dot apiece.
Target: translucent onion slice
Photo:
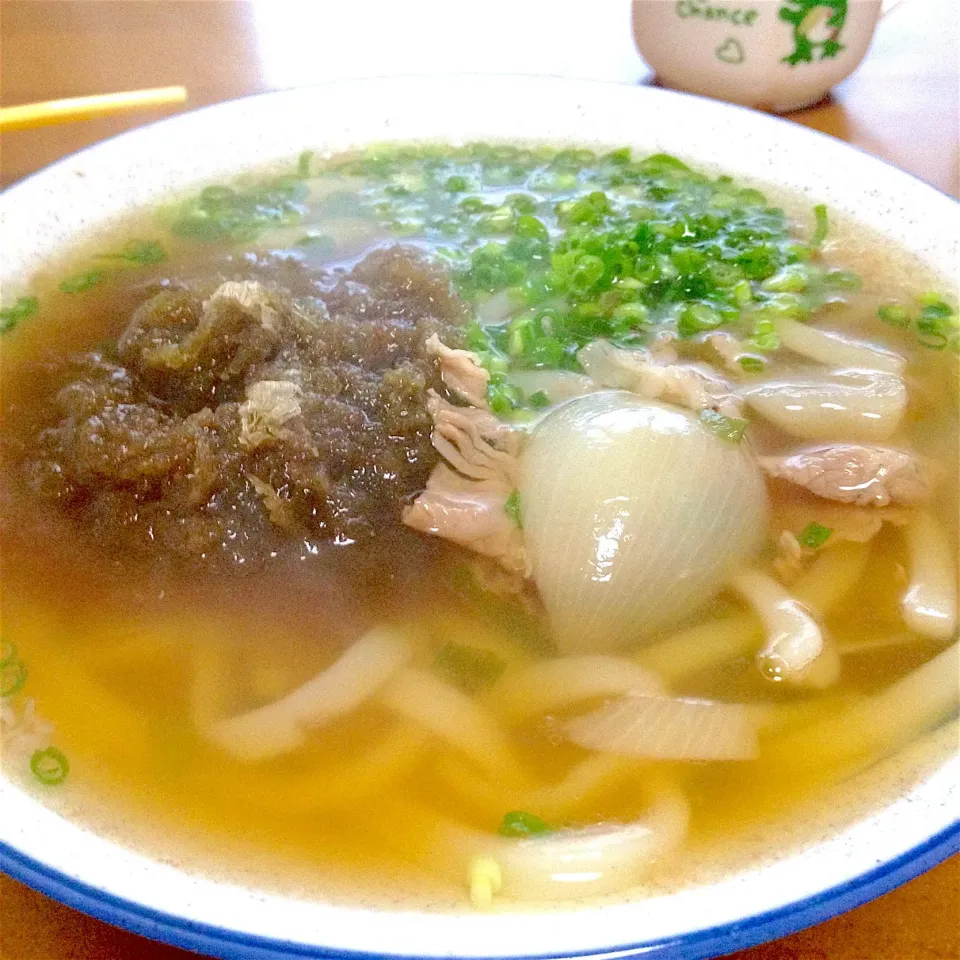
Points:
(668, 728)
(280, 727)
(848, 405)
(555, 684)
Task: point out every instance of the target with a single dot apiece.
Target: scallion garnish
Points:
(22, 308)
(518, 823)
(141, 252)
(814, 535)
(471, 668)
(8, 652)
(13, 675)
(512, 507)
(50, 766)
(81, 282)
(822, 226)
(936, 326)
(731, 429)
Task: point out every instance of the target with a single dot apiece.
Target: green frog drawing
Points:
(808, 15)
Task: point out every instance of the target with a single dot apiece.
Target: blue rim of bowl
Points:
(698, 945)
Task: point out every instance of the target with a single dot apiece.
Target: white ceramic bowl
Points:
(854, 848)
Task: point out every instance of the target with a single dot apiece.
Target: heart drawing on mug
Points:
(730, 51)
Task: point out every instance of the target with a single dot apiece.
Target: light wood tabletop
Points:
(901, 106)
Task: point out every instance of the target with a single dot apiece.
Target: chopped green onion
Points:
(894, 315)
(793, 278)
(22, 308)
(843, 280)
(937, 326)
(696, 318)
(631, 315)
(518, 823)
(49, 766)
(512, 506)
(814, 535)
(303, 164)
(8, 652)
(81, 282)
(471, 668)
(13, 675)
(731, 429)
(456, 184)
(503, 397)
(822, 226)
(751, 364)
(538, 400)
(142, 252)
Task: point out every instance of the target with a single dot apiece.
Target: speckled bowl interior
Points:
(874, 831)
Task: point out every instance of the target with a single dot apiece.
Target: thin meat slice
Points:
(691, 385)
(472, 513)
(474, 441)
(855, 473)
(465, 499)
(461, 372)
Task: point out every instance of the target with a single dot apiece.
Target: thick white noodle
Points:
(585, 781)
(280, 727)
(794, 639)
(930, 604)
(453, 717)
(592, 861)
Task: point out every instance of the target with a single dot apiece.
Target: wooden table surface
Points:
(902, 105)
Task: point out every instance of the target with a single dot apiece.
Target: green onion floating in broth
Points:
(472, 668)
(13, 675)
(518, 823)
(814, 535)
(50, 766)
(822, 225)
(82, 282)
(22, 308)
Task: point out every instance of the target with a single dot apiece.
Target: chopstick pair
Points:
(29, 115)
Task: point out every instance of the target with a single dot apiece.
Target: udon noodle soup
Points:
(529, 515)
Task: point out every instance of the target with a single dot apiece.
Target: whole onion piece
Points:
(634, 514)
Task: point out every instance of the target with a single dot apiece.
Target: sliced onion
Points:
(555, 684)
(280, 727)
(836, 350)
(668, 728)
(848, 405)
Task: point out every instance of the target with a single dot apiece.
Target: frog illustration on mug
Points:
(808, 15)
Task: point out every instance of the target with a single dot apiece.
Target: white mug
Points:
(776, 55)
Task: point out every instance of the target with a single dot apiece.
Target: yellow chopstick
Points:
(30, 115)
